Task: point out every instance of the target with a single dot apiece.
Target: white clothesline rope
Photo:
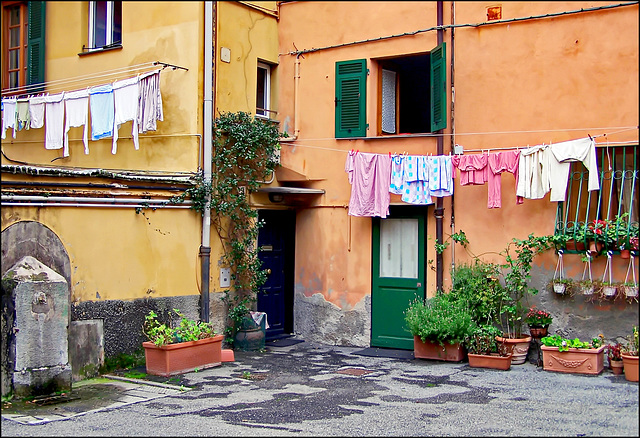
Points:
(55, 85)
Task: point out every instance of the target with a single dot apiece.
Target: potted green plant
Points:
(438, 326)
(572, 355)
(484, 351)
(629, 353)
(614, 355)
(519, 255)
(562, 286)
(182, 348)
(629, 289)
(538, 321)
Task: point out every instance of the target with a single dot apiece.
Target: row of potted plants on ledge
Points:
(615, 234)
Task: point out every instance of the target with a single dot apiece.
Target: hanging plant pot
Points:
(587, 290)
(609, 291)
(559, 288)
(630, 291)
(625, 253)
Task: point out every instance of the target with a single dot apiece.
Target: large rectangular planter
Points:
(490, 361)
(576, 360)
(183, 357)
(435, 351)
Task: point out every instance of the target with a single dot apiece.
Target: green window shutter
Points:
(438, 80)
(351, 92)
(35, 48)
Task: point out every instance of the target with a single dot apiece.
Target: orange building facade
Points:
(456, 80)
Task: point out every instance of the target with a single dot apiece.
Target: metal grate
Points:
(619, 180)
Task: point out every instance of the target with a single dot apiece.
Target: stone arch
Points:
(31, 238)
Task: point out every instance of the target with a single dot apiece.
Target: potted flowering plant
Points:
(573, 355)
(538, 321)
(614, 354)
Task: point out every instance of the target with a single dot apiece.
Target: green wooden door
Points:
(398, 275)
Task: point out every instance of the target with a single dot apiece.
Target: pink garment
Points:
(473, 168)
(370, 176)
(501, 162)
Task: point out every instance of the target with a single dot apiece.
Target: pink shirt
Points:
(370, 176)
(473, 168)
(501, 162)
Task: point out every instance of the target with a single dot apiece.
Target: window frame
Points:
(265, 111)
(351, 89)
(109, 25)
(22, 46)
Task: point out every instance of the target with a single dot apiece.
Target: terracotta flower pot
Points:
(435, 351)
(538, 332)
(573, 245)
(493, 361)
(576, 360)
(183, 357)
(595, 247)
(630, 367)
(519, 347)
(625, 253)
(616, 366)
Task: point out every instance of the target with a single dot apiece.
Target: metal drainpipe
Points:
(439, 210)
(453, 98)
(205, 246)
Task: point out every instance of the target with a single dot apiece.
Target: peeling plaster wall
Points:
(318, 320)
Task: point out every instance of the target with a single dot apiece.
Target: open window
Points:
(263, 91)
(411, 94)
(105, 25)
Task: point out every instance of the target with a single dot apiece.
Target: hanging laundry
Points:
(77, 110)
(23, 120)
(564, 154)
(36, 111)
(473, 168)
(101, 107)
(533, 172)
(369, 176)
(54, 121)
(126, 98)
(440, 175)
(150, 102)
(395, 186)
(500, 162)
(8, 115)
(415, 183)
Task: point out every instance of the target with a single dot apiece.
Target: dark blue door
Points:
(276, 239)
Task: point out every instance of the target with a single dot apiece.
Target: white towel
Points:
(77, 109)
(36, 111)
(54, 121)
(126, 96)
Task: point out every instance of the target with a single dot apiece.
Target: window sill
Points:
(101, 50)
(383, 137)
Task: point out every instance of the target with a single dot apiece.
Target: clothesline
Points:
(60, 84)
(537, 170)
(137, 99)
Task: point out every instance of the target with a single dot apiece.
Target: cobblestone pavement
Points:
(319, 390)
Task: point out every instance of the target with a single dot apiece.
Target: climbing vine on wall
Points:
(243, 151)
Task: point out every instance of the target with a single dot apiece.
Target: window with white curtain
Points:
(399, 248)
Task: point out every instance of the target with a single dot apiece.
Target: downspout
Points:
(452, 143)
(439, 210)
(205, 248)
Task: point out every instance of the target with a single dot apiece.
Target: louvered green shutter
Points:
(35, 48)
(438, 60)
(351, 92)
